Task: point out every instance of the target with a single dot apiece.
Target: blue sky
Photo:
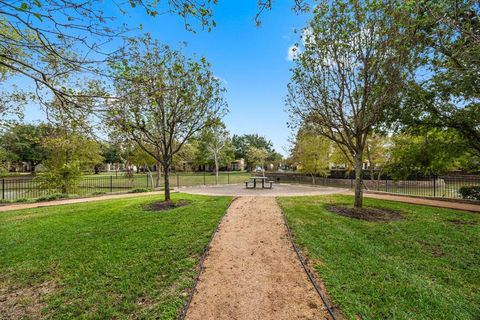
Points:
(252, 61)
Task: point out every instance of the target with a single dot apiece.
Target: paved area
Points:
(278, 190)
(252, 271)
(426, 202)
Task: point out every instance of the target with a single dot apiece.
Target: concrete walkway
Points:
(18, 206)
(426, 202)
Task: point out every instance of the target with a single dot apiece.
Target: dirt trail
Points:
(252, 272)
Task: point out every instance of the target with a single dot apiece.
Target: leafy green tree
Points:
(431, 153)
(164, 99)
(3, 161)
(24, 143)
(311, 154)
(257, 157)
(352, 66)
(215, 145)
(242, 144)
(69, 154)
(138, 156)
(445, 93)
(112, 153)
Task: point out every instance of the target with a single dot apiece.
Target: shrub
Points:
(470, 192)
(98, 193)
(138, 190)
(21, 200)
(51, 197)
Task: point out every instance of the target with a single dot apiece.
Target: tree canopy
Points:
(352, 66)
(164, 99)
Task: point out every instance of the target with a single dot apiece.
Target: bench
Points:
(270, 186)
(247, 187)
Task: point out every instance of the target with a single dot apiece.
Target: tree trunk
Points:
(358, 180)
(150, 176)
(216, 169)
(159, 174)
(167, 182)
(313, 178)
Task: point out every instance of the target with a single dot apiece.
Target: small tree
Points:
(164, 99)
(215, 143)
(257, 157)
(311, 154)
(69, 154)
(349, 74)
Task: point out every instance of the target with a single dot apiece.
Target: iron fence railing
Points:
(443, 186)
(25, 188)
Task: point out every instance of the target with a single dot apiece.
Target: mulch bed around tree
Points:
(166, 205)
(368, 214)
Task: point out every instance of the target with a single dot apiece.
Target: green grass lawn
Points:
(426, 266)
(104, 260)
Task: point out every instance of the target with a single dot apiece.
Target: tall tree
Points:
(446, 91)
(242, 144)
(24, 143)
(350, 71)
(164, 99)
(431, 152)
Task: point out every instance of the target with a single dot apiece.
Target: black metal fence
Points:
(443, 186)
(25, 188)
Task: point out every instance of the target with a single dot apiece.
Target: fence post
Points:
(3, 189)
(178, 180)
(228, 177)
(147, 180)
(204, 181)
(434, 186)
(111, 183)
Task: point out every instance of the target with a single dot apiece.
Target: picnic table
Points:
(253, 183)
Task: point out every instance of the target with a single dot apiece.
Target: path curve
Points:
(252, 271)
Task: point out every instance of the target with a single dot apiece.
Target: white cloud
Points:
(293, 52)
(307, 36)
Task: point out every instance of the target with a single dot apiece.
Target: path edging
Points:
(306, 268)
(201, 263)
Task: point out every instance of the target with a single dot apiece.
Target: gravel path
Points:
(252, 272)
